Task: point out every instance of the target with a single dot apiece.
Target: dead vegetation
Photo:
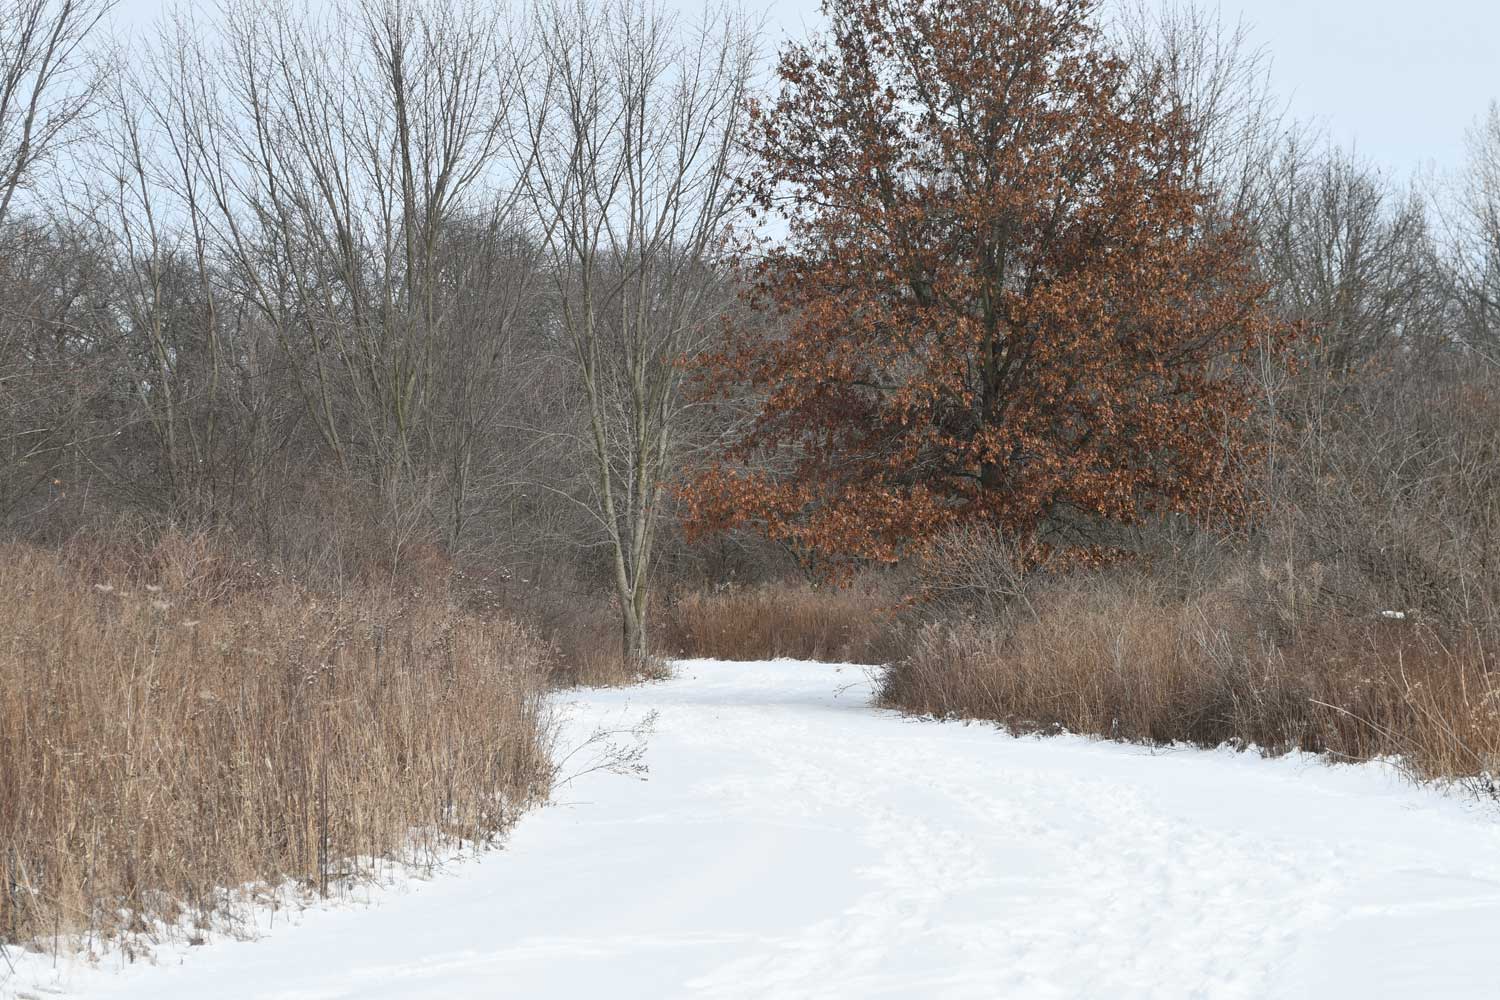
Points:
(796, 620)
(1250, 659)
(176, 721)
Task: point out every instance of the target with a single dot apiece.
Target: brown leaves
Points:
(1000, 297)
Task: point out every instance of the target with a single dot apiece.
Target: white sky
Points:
(1399, 79)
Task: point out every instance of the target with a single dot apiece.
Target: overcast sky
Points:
(1400, 79)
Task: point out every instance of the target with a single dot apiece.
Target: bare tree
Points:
(58, 352)
(1474, 238)
(346, 156)
(1354, 258)
(1213, 73)
(634, 122)
(48, 81)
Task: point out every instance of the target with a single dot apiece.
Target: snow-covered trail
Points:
(791, 841)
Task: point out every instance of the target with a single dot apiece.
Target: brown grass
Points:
(800, 621)
(584, 631)
(177, 721)
(1121, 657)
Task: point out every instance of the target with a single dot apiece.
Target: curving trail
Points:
(791, 841)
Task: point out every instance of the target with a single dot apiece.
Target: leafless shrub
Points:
(1385, 499)
(975, 572)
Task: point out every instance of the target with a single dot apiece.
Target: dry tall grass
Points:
(176, 724)
(587, 634)
(1123, 657)
(848, 625)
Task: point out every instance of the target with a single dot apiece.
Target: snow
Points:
(791, 841)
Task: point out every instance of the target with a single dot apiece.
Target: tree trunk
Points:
(635, 649)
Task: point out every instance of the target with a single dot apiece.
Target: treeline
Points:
(393, 289)
(377, 289)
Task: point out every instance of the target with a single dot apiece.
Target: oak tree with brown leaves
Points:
(1002, 296)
